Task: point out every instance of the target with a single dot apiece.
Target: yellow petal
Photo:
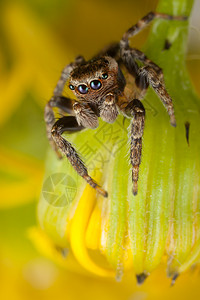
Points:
(78, 229)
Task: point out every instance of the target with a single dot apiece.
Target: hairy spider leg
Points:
(153, 73)
(65, 124)
(57, 101)
(142, 23)
(68, 124)
(149, 74)
(159, 87)
(137, 111)
(140, 56)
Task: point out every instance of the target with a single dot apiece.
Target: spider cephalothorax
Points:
(96, 84)
(92, 80)
(101, 90)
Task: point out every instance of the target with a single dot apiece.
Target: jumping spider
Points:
(101, 90)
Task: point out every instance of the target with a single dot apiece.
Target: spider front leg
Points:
(64, 104)
(65, 124)
(59, 101)
(136, 110)
(70, 123)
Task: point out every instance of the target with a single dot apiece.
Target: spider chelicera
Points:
(102, 90)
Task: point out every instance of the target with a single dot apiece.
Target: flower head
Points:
(112, 236)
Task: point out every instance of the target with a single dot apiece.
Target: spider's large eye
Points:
(95, 84)
(83, 89)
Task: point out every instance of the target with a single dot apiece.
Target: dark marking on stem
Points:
(124, 119)
(187, 131)
(167, 45)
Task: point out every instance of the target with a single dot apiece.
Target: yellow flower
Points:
(89, 235)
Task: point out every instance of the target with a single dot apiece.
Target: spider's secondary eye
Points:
(104, 75)
(83, 89)
(71, 87)
(95, 84)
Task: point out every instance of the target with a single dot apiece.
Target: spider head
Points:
(92, 80)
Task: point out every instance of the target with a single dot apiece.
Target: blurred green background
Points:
(37, 38)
